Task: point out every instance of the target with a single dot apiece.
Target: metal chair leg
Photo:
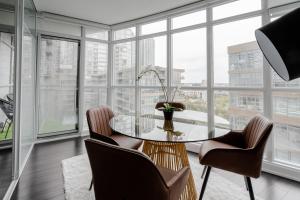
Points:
(204, 182)
(7, 129)
(250, 188)
(91, 185)
(203, 172)
(3, 126)
(245, 179)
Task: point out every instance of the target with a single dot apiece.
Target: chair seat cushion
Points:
(126, 142)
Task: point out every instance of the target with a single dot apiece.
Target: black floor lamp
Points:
(280, 44)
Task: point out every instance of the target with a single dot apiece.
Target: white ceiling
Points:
(108, 11)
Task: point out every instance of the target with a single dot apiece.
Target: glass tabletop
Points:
(153, 128)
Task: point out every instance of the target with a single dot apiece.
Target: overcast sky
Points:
(189, 48)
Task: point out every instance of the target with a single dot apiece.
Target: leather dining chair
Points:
(98, 122)
(176, 105)
(121, 173)
(240, 152)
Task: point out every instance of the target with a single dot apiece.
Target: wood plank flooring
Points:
(42, 176)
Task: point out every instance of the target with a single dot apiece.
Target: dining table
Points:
(164, 140)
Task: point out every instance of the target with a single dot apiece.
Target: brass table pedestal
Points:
(173, 156)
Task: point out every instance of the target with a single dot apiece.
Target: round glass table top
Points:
(154, 129)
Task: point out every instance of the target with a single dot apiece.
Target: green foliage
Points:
(168, 107)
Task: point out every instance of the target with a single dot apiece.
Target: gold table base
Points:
(172, 156)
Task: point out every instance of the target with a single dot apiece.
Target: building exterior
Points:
(245, 69)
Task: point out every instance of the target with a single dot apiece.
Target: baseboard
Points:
(11, 189)
(281, 170)
(14, 183)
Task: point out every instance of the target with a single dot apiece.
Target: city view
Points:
(58, 73)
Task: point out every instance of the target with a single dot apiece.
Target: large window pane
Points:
(96, 63)
(96, 33)
(196, 105)
(149, 98)
(58, 85)
(286, 115)
(189, 58)
(6, 80)
(123, 100)
(154, 27)
(124, 63)
(237, 58)
(236, 8)
(234, 109)
(94, 96)
(153, 55)
(124, 33)
(95, 76)
(189, 19)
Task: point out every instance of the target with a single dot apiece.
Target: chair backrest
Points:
(174, 104)
(120, 173)
(257, 132)
(98, 120)
(7, 108)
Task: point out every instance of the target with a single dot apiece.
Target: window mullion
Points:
(210, 71)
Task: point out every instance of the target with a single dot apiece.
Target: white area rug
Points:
(77, 179)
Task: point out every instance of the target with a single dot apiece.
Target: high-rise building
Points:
(245, 68)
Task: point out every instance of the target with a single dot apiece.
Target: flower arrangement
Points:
(161, 81)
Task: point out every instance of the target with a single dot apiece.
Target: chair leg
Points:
(250, 188)
(3, 126)
(7, 129)
(91, 185)
(204, 170)
(205, 182)
(245, 179)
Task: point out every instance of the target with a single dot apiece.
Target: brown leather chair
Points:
(121, 174)
(177, 105)
(240, 152)
(98, 122)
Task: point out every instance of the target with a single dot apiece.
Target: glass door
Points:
(58, 86)
(6, 85)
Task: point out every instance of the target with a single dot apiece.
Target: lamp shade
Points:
(280, 44)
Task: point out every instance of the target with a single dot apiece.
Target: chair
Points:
(98, 122)
(177, 105)
(8, 110)
(240, 152)
(121, 173)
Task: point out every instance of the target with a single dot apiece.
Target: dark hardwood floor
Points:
(42, 176)
(5, 170)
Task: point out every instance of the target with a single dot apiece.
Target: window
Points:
(154, 27)
(286, 115)
(6, 77)
(96, 63)
(237, 58)
(58, 85)
(124, 63)
(189, 19)
(236, 8)
(124, 33)
(123, 101)
(96, 33)
(189, 58)
(95, 90)
(234, 109)
(196, 105)
(153, 55)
